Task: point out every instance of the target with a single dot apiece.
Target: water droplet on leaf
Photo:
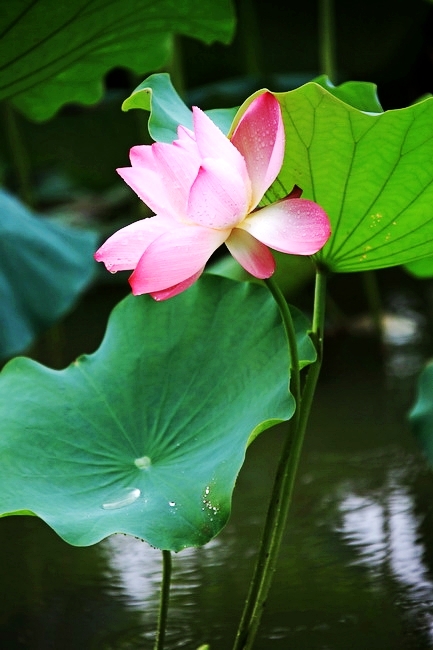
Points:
(123, 498)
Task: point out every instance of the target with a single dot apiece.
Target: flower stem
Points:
(284, 480)
(317, 334)
(295, 380)
(163, 604)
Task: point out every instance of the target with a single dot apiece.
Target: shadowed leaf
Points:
(56, 52)
(44, 266)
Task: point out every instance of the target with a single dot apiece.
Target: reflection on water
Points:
(356, 568)
(137, 569)
(383, 529)
(383, 532)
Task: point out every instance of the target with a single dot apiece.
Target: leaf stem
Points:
(175, 66)
(327, 38)
(250, 39)
(284, 480)
(163, 603)
(372, 292)
(19, 157)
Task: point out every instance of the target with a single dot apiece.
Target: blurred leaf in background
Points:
(55, 52)
(421, 415)
(44, 268)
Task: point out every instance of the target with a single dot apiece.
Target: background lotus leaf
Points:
(44, 267)
(77, 42)
(421, 415)
(167, 110)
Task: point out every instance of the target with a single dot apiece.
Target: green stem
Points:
(295, 379)
(250, 39)
(318, 325)
(372, 293)
(175, 66)
(317, 334)
(327, 38)
(19, 158)
(163, 604)
(283, 486)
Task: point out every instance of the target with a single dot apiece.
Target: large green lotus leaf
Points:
(56, 52)
(147, 435)
(44, 266)
(157, 95)
(421, 415)
(372, 173)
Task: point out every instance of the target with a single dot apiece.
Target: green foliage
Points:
(421, 268)
(147, 435)
(359, 94)
(157, 95)
(44, 267)
(421, 415)
(372, 173)
(75, 43)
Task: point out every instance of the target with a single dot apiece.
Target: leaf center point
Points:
(143, 463)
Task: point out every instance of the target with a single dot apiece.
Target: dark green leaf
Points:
(147, 435)
(56, 52)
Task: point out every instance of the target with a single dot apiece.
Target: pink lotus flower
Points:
(204, 189)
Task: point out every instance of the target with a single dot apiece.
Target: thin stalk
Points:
(295, 379)
(372, 293)
(19, 157)
(318, 325)
(327, 38)
(175, 67)
(317, 335)
(163, 603)
(283, 487)
(250, 39)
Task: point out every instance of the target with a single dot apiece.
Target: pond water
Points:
(356, 566)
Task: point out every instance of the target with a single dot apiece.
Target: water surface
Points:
(356, 567)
